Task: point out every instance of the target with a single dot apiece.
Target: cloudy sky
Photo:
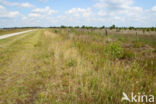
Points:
(140, 13)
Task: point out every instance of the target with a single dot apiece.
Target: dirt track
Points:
(14, 34)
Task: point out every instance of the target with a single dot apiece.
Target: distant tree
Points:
(70, 27)
(131, 28)
(152, 29)
(83, 26)
(63, 26)
(102, 27)
(147, 29)
(112, 27)
(88, 27)
(77, 27)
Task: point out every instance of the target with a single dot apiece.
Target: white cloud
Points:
(120, 10)
(104, 12)
(78, 12)
(46, 10)
(43, 0)
(154, 8)
(117, 6)
(113, 4)
(26, 5)
(1, 7)
(40, 14)
(13, 14)
(4, 13)
(34, 15)
(17, 4)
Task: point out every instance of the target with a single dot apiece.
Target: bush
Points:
(115, 50)
(55, 31)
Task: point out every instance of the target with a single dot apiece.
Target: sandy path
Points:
(14, 34)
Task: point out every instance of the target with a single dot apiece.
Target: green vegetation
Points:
(75, 66)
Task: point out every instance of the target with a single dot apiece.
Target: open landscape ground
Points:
(76, 66)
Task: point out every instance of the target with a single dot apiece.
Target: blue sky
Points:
(16, 13)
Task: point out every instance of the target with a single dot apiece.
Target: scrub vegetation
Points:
(76, 66)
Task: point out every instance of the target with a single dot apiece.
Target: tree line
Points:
(144, 29)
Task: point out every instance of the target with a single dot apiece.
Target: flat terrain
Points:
(74, 66)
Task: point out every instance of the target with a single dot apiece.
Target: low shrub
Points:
(115, 50)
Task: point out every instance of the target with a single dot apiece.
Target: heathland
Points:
(76, 66)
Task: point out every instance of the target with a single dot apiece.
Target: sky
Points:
(21, 13)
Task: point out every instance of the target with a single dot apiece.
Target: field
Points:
(76, 66)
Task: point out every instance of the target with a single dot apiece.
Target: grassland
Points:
(75, 66)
